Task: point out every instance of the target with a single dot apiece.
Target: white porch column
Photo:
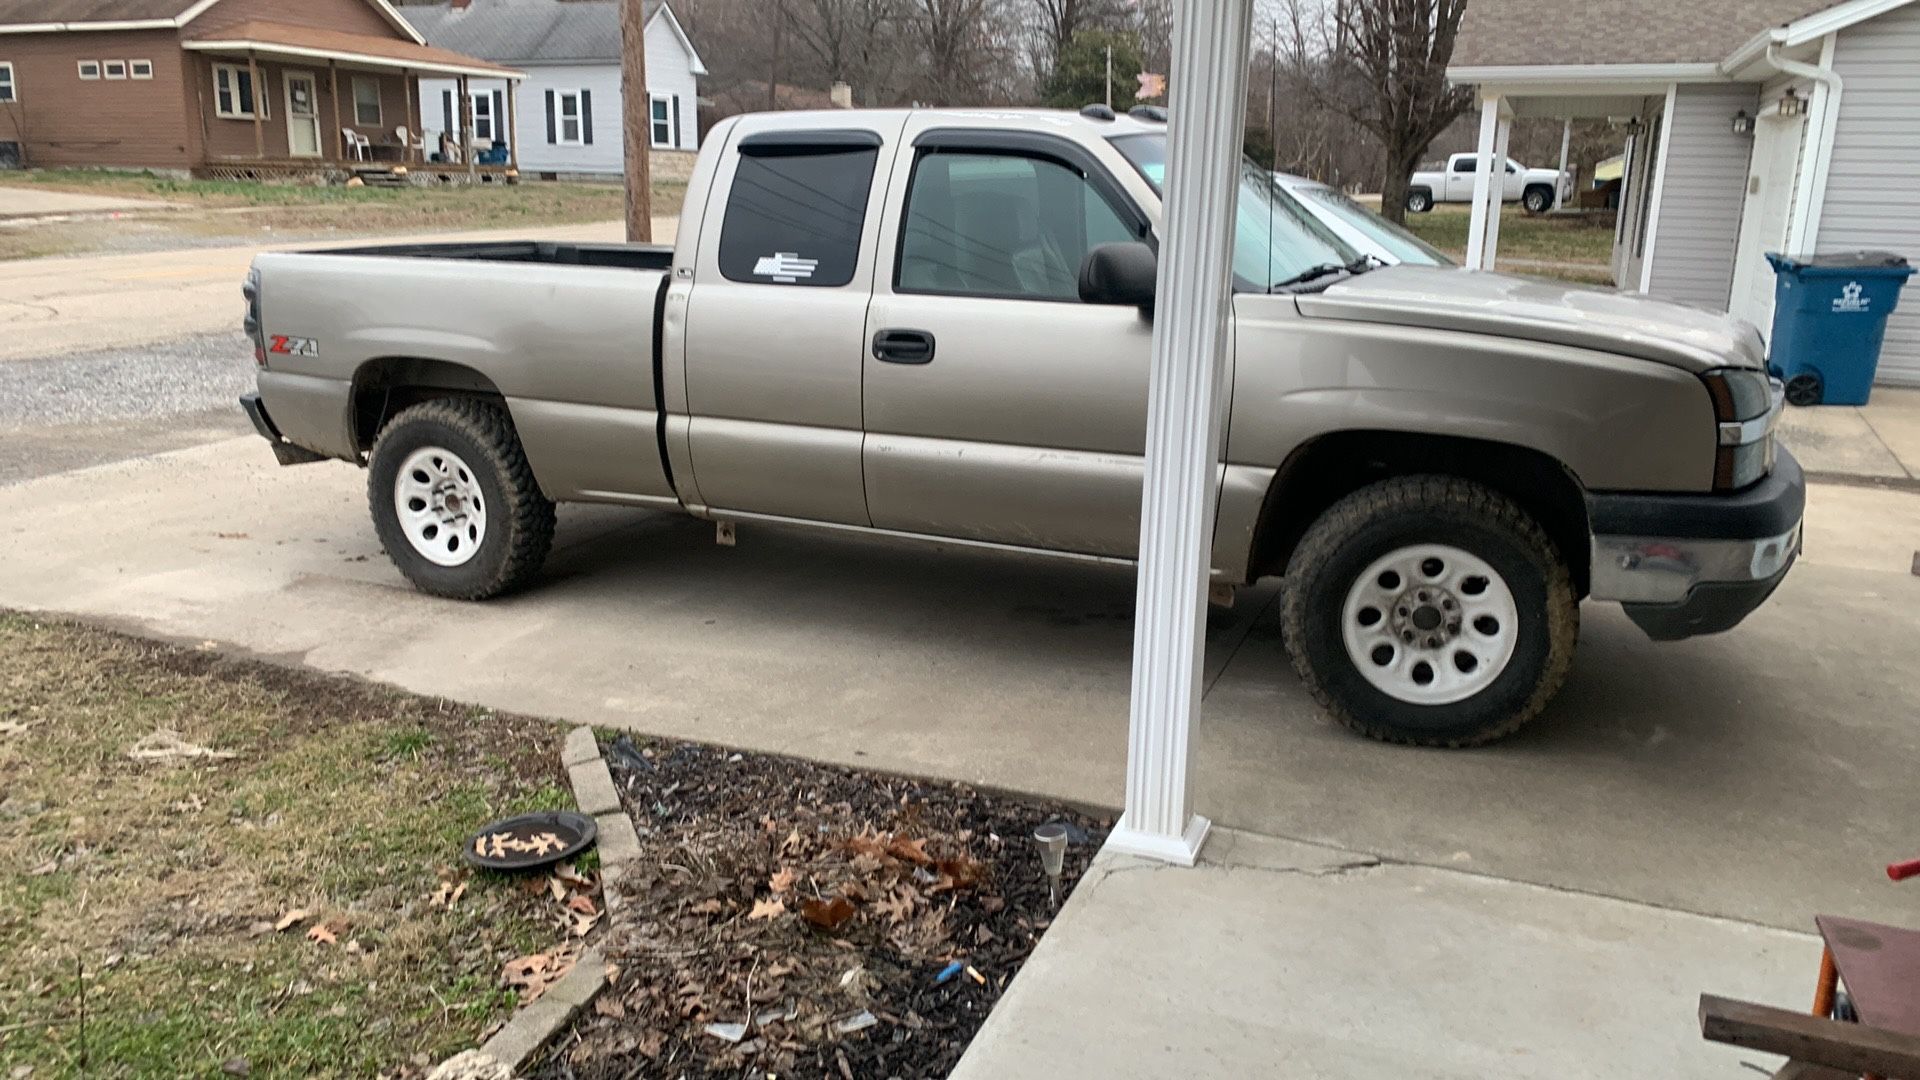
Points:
(1206, 114)
(1483, 228)
(1502, 131)
(1566, 144)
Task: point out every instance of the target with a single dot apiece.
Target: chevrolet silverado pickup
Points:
(1535, 189)
(935, 325)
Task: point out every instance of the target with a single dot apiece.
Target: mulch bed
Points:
(796, 919)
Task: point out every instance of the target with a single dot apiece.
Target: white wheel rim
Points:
(1430, 624)
(441, 508)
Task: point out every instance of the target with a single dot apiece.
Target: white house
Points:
(1752, 126)
(569, 107)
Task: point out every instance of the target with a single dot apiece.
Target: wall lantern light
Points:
(1792, 104)
(1742, 123)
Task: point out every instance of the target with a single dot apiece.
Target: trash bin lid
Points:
(1839, 260)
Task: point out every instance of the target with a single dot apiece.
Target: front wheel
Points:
(1430, 610)
(455, 502)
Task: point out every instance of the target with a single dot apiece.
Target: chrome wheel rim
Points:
(1430, 624)
(442, 510)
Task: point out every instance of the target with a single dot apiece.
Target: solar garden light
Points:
(1052, 838)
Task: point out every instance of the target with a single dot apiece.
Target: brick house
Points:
(217, 87)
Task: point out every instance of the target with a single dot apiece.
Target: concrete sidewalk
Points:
(22, 202)
(1875, 443)
(1274, 958)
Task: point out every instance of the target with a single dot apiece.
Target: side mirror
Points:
(1120, 274)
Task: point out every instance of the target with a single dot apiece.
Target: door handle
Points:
(903, 346)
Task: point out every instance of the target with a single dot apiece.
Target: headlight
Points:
(1746, 405)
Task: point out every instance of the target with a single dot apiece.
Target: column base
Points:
(1182, 850)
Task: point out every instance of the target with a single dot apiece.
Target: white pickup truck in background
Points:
(1532, 188)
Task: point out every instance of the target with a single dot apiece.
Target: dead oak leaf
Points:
(290, 920)
(913, 851)
(769, 908)
(326, 933)
(828, 915)
(708, 907)
(782, 880)
(581, 904)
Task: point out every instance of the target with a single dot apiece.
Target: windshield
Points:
(1394, 239)
(1274, 240)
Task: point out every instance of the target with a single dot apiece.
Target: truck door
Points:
(1460, 177)
(998, 406)
(776, 315)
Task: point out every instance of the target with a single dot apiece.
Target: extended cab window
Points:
(795, 214)
(983, 224)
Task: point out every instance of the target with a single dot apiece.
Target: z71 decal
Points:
(293, 346)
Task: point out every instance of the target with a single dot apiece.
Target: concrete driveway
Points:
(1762, 775)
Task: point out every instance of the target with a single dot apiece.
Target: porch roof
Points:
(280, 41)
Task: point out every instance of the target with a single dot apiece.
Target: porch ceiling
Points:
(280, 41)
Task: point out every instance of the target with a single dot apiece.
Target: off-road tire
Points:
(1537, 199)
(1419, 200)
(1391, 514)
(519, 518)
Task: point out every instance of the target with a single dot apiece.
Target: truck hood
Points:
(1477, 302)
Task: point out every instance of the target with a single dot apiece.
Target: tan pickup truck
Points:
(935, 325)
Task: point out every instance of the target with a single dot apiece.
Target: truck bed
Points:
(617, 256)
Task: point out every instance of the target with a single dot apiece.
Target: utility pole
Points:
(773, 69)
(636, 121)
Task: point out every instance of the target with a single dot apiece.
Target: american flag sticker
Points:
(785, 267)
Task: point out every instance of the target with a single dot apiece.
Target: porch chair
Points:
(358, 145)
(411, 144)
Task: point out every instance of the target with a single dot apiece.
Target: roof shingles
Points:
(1526, 33)
(527, 31)
(14, 12)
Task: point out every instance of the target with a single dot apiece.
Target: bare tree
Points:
(1388, 73)
(959, 41)
(851, 41)
(1059, 20)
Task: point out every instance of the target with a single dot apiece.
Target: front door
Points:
(998, 406)
(1763, 226)
(303, 115)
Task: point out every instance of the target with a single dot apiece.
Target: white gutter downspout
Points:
(1824, 119)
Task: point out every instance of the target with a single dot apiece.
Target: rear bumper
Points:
(283, 451)
(1685, 565)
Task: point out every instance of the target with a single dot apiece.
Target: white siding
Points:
(1873, 183)
(669, 75)
(1701, 194)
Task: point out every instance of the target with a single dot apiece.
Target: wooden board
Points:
(1881, 968)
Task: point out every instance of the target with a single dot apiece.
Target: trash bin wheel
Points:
(1805, 389)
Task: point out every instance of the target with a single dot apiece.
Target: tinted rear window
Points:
(794, 215)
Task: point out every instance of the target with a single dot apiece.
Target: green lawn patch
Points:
(138, 899)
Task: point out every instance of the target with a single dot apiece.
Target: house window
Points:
(89, 69)
(7, 85)
(571, 127)
(662, 121)
(140, 69)
(233, 96)
(115, 69)
(483, 128)
(366, 102)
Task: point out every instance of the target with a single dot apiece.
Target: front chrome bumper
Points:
(1684, 565)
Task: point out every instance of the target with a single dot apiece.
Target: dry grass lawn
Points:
(138, 898)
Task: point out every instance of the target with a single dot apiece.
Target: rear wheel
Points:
(1430, 610)
(1419, 200)
(1537, 199)
(454, 500)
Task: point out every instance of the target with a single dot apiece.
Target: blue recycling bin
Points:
(1829, 319)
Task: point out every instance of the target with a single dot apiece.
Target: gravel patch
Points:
(187, 375)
